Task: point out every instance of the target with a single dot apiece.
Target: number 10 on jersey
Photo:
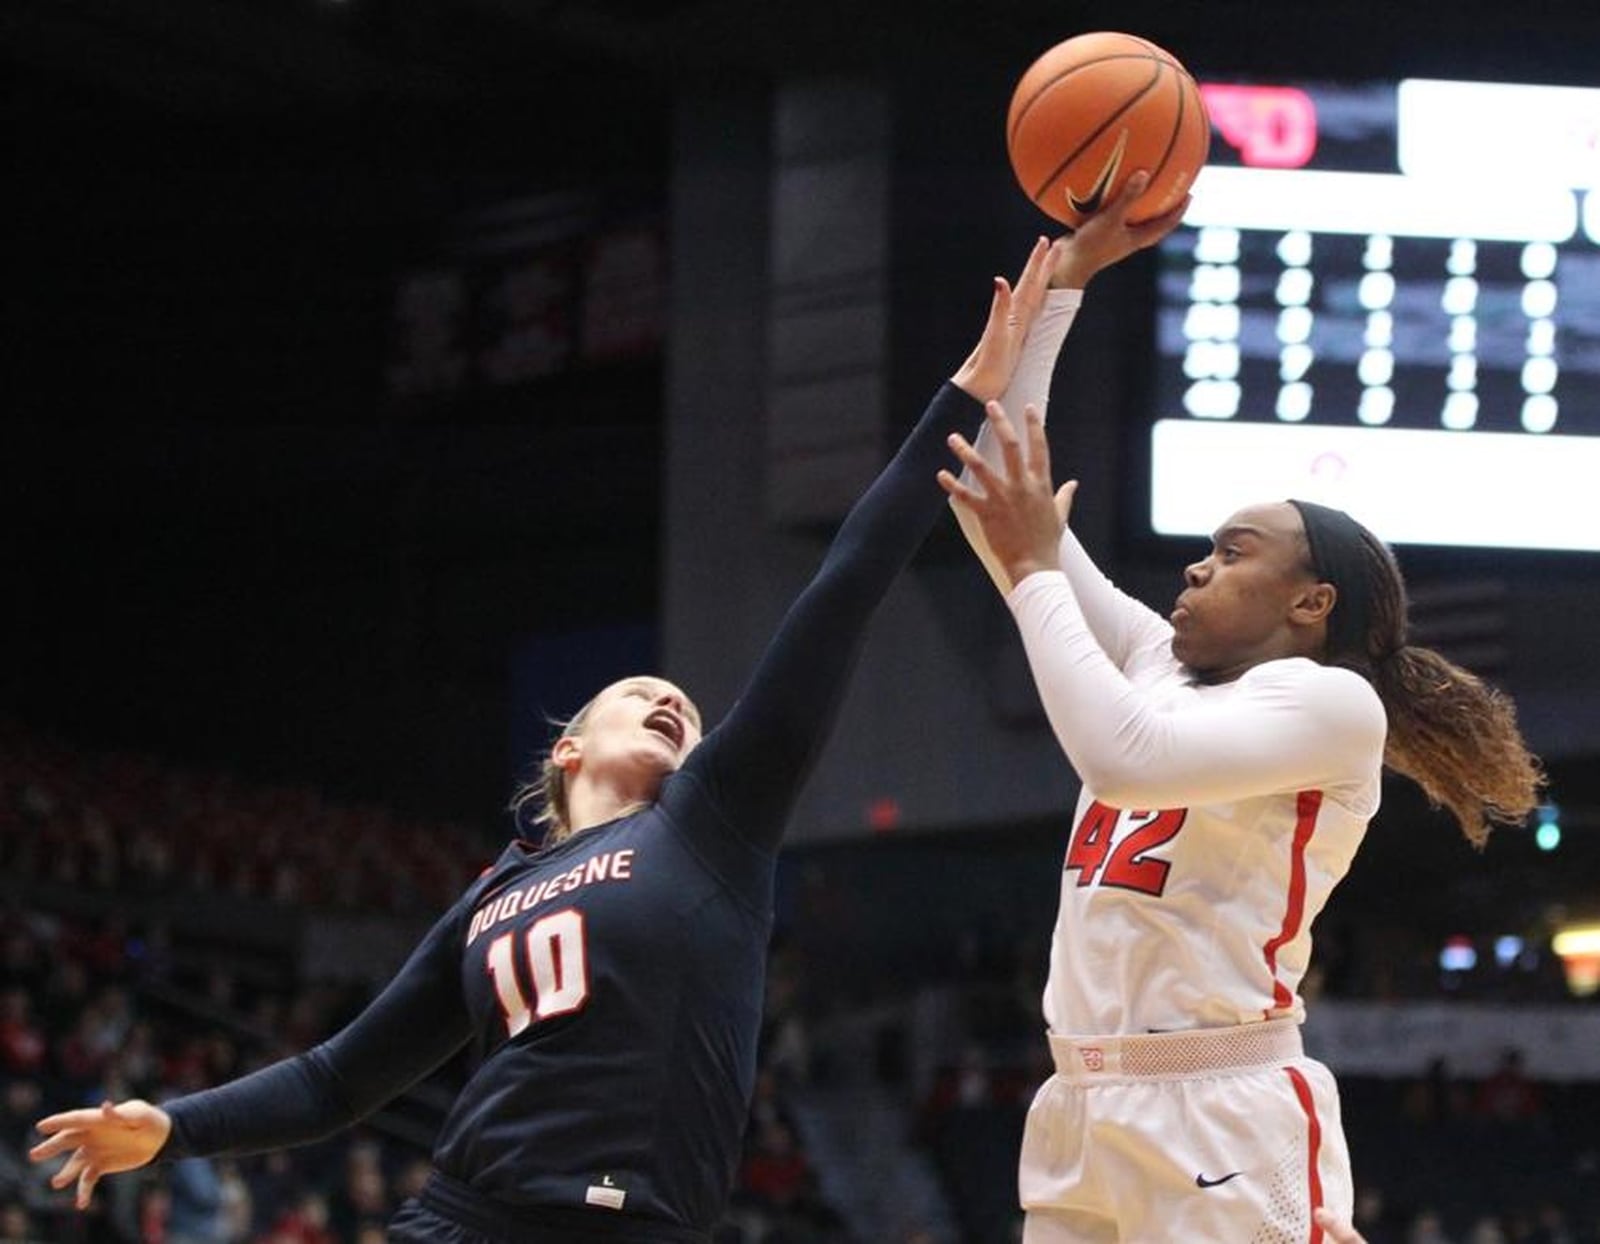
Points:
(554, 959)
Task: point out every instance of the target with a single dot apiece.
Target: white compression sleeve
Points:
(1030, 386)
(1030, 383)
(1127, 629)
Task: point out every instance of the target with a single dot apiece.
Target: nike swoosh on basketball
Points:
(1200, 1181)
(1090, 203)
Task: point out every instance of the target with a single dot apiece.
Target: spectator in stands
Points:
(1427, 1228)
(304, 1222)
(238, 1210)
(22, 1043)
(1486, 1230)
(1507, 1096)
(362, 1195)
(16, 1227)
(194, 1203)
(1437, 1099)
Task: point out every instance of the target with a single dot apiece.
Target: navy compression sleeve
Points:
(756, 760)
(414, 1025)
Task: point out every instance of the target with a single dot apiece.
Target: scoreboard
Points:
(1386, 297)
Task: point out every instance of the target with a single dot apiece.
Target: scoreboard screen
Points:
(1386, 297)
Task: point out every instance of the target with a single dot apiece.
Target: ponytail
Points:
(1457, 737)
(1449, 731)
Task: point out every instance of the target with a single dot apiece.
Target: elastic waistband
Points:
(1174, 1055)
(545, 1224)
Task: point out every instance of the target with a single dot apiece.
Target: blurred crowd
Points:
(116, 823)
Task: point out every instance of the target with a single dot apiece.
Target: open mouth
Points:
(666, 723)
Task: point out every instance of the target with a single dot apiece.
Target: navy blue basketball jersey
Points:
(611, 986)
(615, 985)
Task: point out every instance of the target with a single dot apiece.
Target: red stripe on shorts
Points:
(1307, 804)
(1302, 1090)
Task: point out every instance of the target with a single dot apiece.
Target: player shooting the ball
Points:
(1230, 757)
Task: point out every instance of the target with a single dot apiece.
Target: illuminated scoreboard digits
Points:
(1387, 297)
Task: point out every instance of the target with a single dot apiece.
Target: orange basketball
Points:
(1093, 109)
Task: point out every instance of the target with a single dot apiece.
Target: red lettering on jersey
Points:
(1129, 869)
(1125, 867)
(1091, 841)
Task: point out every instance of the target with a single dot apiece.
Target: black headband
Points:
(1339, 556)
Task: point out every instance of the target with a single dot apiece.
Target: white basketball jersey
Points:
(1214, 820)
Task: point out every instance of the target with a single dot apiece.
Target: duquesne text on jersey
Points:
(610, 866)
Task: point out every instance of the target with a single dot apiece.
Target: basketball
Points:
(1095, 108)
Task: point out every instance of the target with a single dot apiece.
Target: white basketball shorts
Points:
(1226, 1136)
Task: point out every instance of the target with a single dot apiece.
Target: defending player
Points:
(610, 982)
(1230, 760)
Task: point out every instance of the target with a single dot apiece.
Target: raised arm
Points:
(1105, 239)
(1130, 632)
(1291, 724)
(414, 1025)
(755, 761)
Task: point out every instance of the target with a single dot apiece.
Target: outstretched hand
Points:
(103, 1141)
(1019, 516)
(1109, 237)
(1012, 311)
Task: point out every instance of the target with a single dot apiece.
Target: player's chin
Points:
(1188, 652)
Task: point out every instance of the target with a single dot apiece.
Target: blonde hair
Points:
(543, 800)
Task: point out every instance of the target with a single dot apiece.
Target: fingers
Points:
(960, 494)
(970, 458)
(1006, 434)
(1033, 283)
(86, 1183)
(70, 1169)
(1064, 496)
(1119, 207)
(999, 309)
(54, 1123)
(59, 1143)
(1038, 448)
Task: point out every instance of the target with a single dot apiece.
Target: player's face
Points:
(1235, 609)
(638, 731)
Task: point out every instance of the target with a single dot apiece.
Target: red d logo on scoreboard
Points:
(1269, 126)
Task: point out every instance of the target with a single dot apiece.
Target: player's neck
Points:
(594, 803)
